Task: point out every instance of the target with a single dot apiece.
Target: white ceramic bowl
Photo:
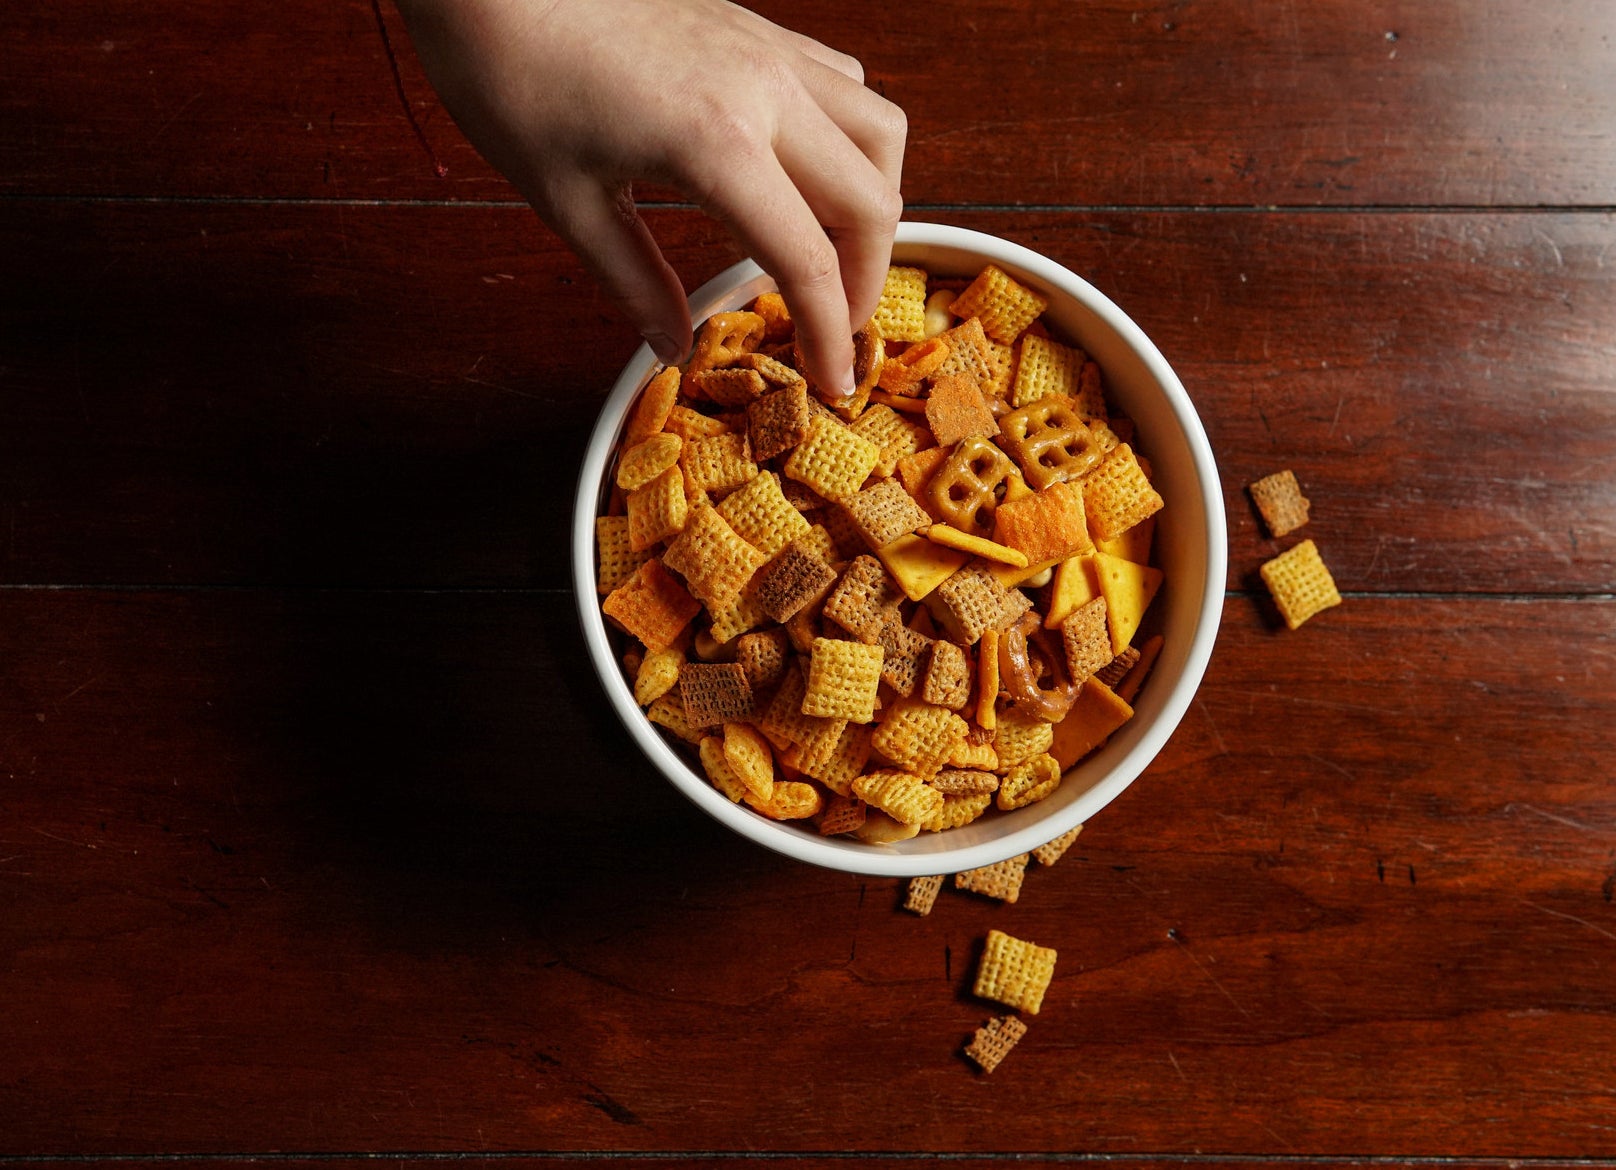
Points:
(1190, 549)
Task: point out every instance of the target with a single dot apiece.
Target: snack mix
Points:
(893, 613)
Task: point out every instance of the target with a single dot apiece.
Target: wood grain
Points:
(1335, 103)
(358, 396)
(301, 871)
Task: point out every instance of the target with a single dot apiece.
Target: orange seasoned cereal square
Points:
(651, 605)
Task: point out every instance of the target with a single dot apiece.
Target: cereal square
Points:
(1052, 851)
(761, 515)
(1004, 305)
(903, 796)
(651, 605)
(831, 459)
(657, 510)
(1117, 494)
(883, 512)
(791, 581)
(777, 422)
(862, 597)
(900, 315)
(972, 600)
(714, 693)
(994, 1040)
(946, 680)
(714, 561)
(1280, 500)
(1300, 583)
(1087, 638)
(843, 678)
(1015, 972)
(1001, 880)
(921, 894)
(615, 553)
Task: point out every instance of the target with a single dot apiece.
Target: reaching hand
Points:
(768, 131)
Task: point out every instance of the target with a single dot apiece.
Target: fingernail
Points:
(667, 350)
(848, 384)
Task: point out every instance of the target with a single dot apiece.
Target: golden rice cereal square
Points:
(1004, 305)
(1049, 525)
(965, 782)
(903, 650)
(743, 612)
(862, 598)
(1117, 495)
(789, 800)
(1300, 583)
(1015, 972)
(717, 767)
(640, 464)
(946, 680)
(718, 464)
(713, 559)
(818, 540)
(791, 581)
(657, 675)
(900, 315)
(895, 435)
(843, 678)
(617, 557)
(691, 424)
(732, 386)
(764, 656)
(777, 422)
(883, 512)
(657, 511)
(969, 353)
(1046, 367)
(956, 409)
(669, 712)
(903, 796)
(1053, 850)
(650, 413)
(843, 814)
(1001, 880)
(994, 1040)
(973, 600)
(1018, 737)
(783, 721)
(761, 515)
(837, 768)
(715, 692)
(1086, 635)
(921, 894)
(918, 736)
(651, 605)
(1029, 782)
(1280, 500)
(832, 460)
(1090, 396)
(978, 756)
(957, 811)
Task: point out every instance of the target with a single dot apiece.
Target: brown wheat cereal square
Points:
(903, 650)
(651, 605)
(777, 422)
(715, 692)
(994, 1040)
(1087, 639)
(969, 353)
(973, 600)
(965, 782)
(956, 410)
(791, 581)
(774, 372)
(714, 561)
(1112, 673)
(862, 597)
(802, 497)
(843, 814)
(947, 677)
(1001, 880)
(1015, 972)
(883, 512)
(1280, 500)
(921, 894)
(1300, 583)
(1052, 851)
(763, 656)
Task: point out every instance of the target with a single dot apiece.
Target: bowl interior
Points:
(1190, 549)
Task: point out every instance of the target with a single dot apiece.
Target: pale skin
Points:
(770, 132)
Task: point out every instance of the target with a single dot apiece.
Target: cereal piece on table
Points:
(1050, 442)
(777, 422)
(987, 680)
(842, 680)
(723, 338)
(837, 767)
(1117, 495)
(1087, 640)
(719, 772)
(657, 510)
(1015, 972)
(843, 814)
(640, 464)
(972, 601)
(901, 313)
(1001, 880)
(862, 597)
(965, 782)
(750, 758)
(1018, 737)
(1114, 671)
(1129, 687)
(957, 811)
(1029, 782)
(895, 435)
(657, 675)
(669, 712)
(651, 605)
(718, 464)
(904, 373)
(615, 553)
(903, 796)
(918, 736)
(883, 512)
(690, 424)
(1280, 500)
(956, 409)
(792, 580)
(740, 614)
(902, 651)
(969, 353)
(763, 656)
(1128, 590)
(965, 542)
(715, 693)
(1094, 716)
(789, 800)
(761, 515)
(713, 559)
(919, 564)
(1052, 851)
(777, 327)
(650, 413)
(831, 459)
(967, 485)
(921, 894)
(994, 1040)
(731, 386)
(946, 680)
(880, 829)
(1046, 367)
(1004, 305)
(1300, 583)
(1049, 525)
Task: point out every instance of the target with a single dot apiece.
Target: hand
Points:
(768, 131)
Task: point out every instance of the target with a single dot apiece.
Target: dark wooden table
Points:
(316, 844)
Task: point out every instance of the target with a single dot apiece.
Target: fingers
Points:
(602, 225)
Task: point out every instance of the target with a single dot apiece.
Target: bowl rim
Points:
(851, 855)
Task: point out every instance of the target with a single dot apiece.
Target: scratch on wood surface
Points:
(1223, 748)
(1570, 918)
(1211, 978)
(1176, 1069)
(1548, 816)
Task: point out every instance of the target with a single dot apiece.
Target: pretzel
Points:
(967, 487)
(1023, 678)
(1050, 442)
(724, 337)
